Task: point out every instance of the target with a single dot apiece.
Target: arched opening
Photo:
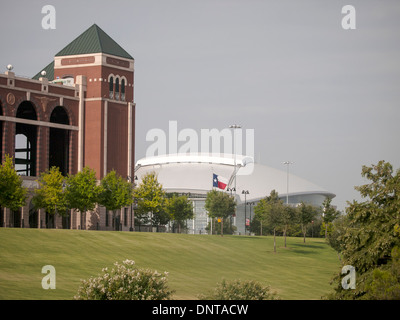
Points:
(50, 221)
(66, 220)
(26, 141)
(59, 141)
(33, 216)
(15, 218)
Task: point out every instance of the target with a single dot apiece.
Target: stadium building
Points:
(195, 175)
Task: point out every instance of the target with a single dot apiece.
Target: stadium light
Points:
(287, 163)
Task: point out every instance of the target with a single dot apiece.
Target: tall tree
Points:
(180, 209)
(220, 205)
(305, 213)
(287, 218)
(369, 239)
(115, 193)
(329, 214)
(82, 191)
(151, 200)
(269, 209)
(12, 193)
(51, 194)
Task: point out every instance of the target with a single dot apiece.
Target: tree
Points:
(329, 214)
(82, 191)
(220, 205)
(180, 209)
(269, 209)
(287, 218)
(151, 199)
(369, 236)
(51, 195)
(12, 193)
(305, 215)
(115, 193)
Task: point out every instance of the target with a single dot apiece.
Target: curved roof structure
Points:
(194, 173)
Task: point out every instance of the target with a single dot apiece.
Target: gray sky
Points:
(316, 94)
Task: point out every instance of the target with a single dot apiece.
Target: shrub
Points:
(241, 290)
(125, 282)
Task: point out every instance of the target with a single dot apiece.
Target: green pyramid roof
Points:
(94, 40)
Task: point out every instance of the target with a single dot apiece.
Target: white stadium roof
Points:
(194, 173)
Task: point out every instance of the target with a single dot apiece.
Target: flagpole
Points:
(234, 126)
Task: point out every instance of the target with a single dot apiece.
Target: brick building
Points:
(78, 111)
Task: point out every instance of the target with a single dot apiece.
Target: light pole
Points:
(287, 163)
(245, 192)
(129, 178)
(234, 126)
(250, 204)
(234, 215)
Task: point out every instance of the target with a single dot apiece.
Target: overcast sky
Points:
(321, 96)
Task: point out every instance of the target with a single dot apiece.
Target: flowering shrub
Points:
(241, 290)
(125, 282)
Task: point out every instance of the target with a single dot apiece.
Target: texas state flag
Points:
(218, 182)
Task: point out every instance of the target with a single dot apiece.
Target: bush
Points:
(125, 282)
(241, 290)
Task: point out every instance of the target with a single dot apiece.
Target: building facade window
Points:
(123, 89)
(111, 87)
(117, 89)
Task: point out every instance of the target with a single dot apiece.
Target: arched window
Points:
(111, 88)
(26, 141)
(117, 88)
(123, 89)
(59, 141)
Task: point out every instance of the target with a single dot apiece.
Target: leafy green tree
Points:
(305, 213)
(115, 192)
(12, 193)
(82, 191)
(370, 235)
(384, 284)
(269, 210)
(338, 229)
(151, 200)
(180, 209)
(220, 205)
(287, 218)
(329, 214)
(51, 195)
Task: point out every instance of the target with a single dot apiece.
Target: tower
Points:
(78, 111)
(105, 73)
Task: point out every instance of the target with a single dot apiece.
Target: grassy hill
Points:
(195, 262)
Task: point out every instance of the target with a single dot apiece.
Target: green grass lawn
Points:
(195, 262)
